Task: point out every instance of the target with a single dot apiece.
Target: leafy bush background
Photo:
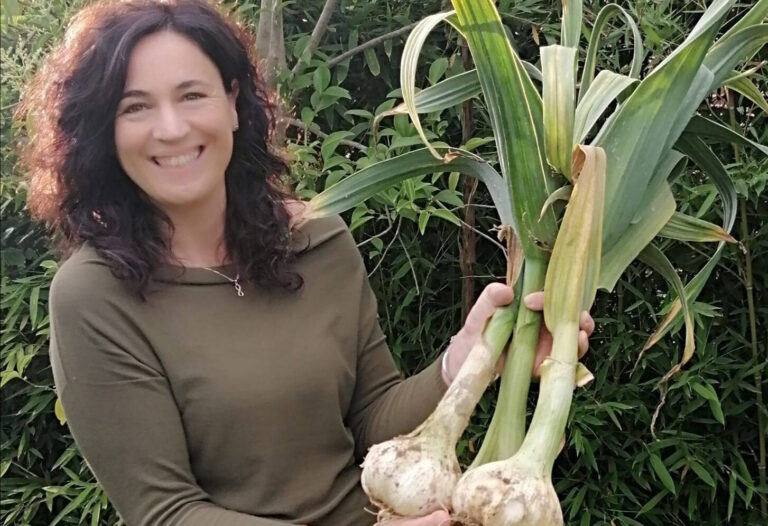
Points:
(700, 467)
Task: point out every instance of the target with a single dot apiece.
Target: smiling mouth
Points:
(178, 160)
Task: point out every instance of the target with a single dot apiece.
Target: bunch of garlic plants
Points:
(646, 140)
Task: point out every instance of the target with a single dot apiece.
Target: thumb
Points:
(436, 518)
(492, 297)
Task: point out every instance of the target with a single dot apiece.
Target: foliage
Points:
(700, 466)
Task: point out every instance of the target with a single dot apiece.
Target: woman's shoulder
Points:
(311, 232)
(84, 278)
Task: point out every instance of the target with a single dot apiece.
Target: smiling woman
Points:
(174, 126)
(115, 99)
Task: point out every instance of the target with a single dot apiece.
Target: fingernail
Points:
(528, 300)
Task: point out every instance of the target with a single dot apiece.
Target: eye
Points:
(193, 96)
(133, 108)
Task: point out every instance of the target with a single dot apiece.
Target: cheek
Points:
(126, 145)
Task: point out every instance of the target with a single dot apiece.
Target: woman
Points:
(215, 365)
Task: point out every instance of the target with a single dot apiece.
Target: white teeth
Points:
(172, 162)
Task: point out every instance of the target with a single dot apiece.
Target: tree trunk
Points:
(270, 52)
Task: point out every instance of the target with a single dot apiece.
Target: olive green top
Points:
(201, 408)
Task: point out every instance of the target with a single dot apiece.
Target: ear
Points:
(232, 96)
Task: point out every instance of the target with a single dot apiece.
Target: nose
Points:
(170, 125)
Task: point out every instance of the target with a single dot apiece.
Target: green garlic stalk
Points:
(519, 491)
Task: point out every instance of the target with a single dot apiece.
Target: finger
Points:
(492, 297)
(498, 294)
(586, 323)
(534, 300)
(500, 364)
(439, 518)
(583, 343)
(543, 349)
(436, 518)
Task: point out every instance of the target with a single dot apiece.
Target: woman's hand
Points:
(494, 296)
(437, 518)
(535, 301)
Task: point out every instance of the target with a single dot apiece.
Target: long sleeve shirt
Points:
(199, 407)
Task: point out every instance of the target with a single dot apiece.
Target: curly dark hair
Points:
(78, 187)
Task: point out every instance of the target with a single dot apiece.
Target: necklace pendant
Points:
(238, 288)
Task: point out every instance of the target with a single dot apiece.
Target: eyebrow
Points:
(184, 85)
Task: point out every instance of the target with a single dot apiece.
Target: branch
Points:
(315, 130)
(371, 43)
(317, 33)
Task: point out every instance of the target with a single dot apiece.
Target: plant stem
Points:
(748, 285)
(467, 253)
(317, 33)
(507, 428)
(543, 440)
(371, 43)
(459, 401)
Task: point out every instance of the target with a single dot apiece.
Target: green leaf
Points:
(647, 125)
(338, 92)
(307, 115)
(561, 194)
(515, 110)
(571, 26)
(702, 473)
(4, 465)
(747, 88)
(372, 61)
(603, 17)
(448, 93)
(733, 48)
(731, 493)
(756, 15)
(708, 129)
(658, 207)
(409, 67)
(58, 410)
(475, 142)
(651, 504)
(437, 69)
(708, 392)
(654, 258)
(321, 78)
(451, 198)
(34, 299)
(73, 505)
(11, 8)
(7, 376)
(331, 142)
(603, 91)
(698, 152)
(423, 219)
(447, 215)
(377, 177)
(683, 227)
(558, 64)
(661, 471)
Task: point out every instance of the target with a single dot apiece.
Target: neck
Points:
(198, 235)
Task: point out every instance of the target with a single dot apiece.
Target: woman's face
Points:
(174, 124)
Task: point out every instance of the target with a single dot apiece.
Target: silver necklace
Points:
(235, 282)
